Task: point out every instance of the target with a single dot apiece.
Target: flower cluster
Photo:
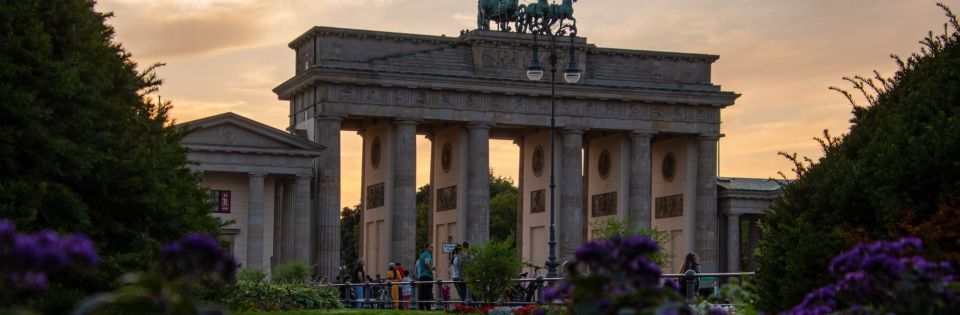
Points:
(27, 259)
(884, 277)
(460, 309)
(198, 256)
(525, 310)
(615, 274)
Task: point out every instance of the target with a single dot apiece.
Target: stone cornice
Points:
(479, 36)
(328, 74)
(248, 150)
(348, 32)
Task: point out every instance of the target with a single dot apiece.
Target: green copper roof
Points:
(750, 184)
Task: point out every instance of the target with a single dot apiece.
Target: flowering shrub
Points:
(183, 267)
(621, 278)
(885, 278)
(198, 257)
(26, 260)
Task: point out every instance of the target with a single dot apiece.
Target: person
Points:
(369, 291)
(692, 262)
(406, 289)
(464, 258)
(358, 276)
(425, 273)
(456, 273)
(394, 277)
(400, 270)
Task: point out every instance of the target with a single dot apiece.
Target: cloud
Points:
(163, 30)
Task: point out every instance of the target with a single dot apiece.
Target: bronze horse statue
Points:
(500, 11)
(545, 14)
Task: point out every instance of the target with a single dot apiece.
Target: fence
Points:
(526, 291)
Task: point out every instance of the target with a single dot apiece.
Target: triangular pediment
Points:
(232, 132)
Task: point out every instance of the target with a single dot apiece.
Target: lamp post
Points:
(571, 75)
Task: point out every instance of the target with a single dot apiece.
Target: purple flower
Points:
(198, 255)
(873, 276)
(81, 249)
(716, 310)
(592, 253)
(27, 260)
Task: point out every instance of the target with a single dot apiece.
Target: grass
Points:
(341, 311)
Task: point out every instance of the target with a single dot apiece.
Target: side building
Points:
(260, 179)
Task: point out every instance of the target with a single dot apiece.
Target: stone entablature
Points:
(480, 76)
(490, 53)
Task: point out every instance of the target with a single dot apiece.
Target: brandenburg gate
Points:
(636, 139)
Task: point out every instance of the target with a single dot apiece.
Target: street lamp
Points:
(571, 75)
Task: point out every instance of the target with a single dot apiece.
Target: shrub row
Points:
(262, 296)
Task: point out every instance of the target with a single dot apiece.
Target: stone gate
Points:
(636, 139)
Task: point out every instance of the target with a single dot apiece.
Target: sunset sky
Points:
(227, 55)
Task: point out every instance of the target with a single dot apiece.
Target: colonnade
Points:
(460, 211)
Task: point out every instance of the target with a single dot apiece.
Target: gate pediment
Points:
(230, 132)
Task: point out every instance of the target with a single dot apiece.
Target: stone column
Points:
(299, 244)
(570, 218)
(255, 221)
(278, 217)
(287, 234)
(520, 196)
(478, 183)
(404, 208)
(327, 211)
(638, 212)
(705, 232)
(733, 242)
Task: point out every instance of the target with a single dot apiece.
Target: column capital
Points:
(572, 130)
(257, 174)
(327, 117)
(709, 136)
(640, 133)
(479, 125)
(406, 121)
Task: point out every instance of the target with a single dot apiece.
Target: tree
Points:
(618, 228)
(349, 238)
(503, 210)
(895, 173)
(82, 149)
(423, 216)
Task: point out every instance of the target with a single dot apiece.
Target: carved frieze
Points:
(447, 198)
(375, 196)
(538, 201)
(668, 207)
(603, 204)
(488, 102)
(501, 58)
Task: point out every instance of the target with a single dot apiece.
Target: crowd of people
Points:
(395, 290)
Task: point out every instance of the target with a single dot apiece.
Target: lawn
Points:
(340, 311)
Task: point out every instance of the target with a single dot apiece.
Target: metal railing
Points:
(525, 291)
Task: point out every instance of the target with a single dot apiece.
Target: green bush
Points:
(289, 273)
(251, 275)
(894, 173)
(262, 296)
(491, 268)
(615, 227)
